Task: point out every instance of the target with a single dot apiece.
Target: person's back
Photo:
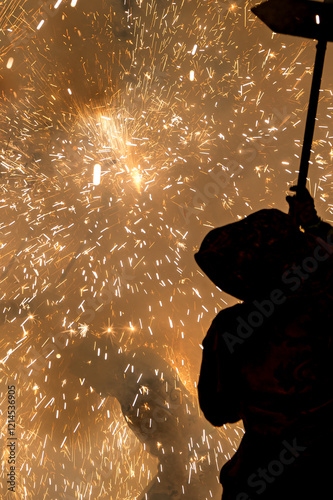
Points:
(279, 383)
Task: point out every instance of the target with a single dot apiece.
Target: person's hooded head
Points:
(250, 258)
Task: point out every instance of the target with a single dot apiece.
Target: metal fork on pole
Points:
(308, 19)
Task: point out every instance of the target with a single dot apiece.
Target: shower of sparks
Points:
(194, 113)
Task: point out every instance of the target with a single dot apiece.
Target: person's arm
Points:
(219, 381)
(304, 214)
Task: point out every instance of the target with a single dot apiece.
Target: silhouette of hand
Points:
(301, 207)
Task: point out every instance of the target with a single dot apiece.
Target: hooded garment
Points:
(268, 361)
(248, 258)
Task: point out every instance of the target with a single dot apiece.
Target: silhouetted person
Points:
(268, 360)
(162, 414)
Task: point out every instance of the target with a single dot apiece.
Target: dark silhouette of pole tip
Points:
(308, 19)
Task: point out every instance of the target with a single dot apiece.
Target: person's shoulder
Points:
(225, 320)
(238, 329)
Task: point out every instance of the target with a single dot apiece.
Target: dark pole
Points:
(312, 112)
(310, 19)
